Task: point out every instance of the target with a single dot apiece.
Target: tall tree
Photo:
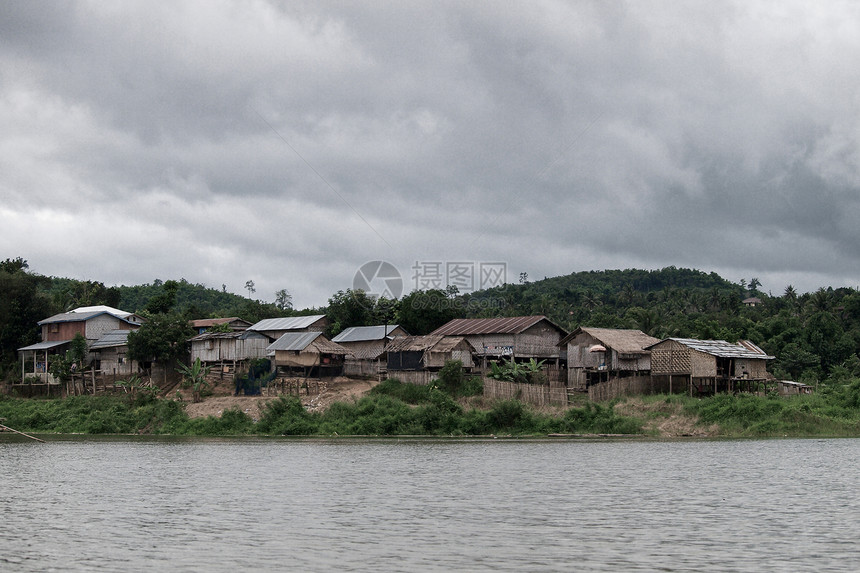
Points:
(284, 300)
(23, 303)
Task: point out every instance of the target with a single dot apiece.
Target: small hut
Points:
(428, 352)
(367, 345)
(309, 354)
(598, 354)
(228, 351)
(709, 366)
(109, 355)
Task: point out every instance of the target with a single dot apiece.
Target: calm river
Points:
(425, 505)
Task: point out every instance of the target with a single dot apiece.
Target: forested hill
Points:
(593, 297)
(814, 336)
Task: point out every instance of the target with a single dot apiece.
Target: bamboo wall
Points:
(537, 395)
(631, 386)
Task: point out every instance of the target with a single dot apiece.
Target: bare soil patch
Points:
(339, 389)
(665, 420)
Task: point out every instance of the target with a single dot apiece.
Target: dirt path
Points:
(222, 398)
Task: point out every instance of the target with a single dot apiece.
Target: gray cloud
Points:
(289, 143)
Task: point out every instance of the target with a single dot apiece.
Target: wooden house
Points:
(235, 323)
(309, 354)
(516, 337)
(92, 325)
(275, 327)
(229, 347)
(110, 355)
(428, 352)
(91, 322)
(598, 354)
(708, 366)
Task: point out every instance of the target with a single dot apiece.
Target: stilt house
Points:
(598, 354)
(708, 366)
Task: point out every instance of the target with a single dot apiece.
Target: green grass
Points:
(394, 408)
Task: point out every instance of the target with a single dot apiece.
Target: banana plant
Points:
(194, 376)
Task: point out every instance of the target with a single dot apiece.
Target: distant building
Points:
(751, 301)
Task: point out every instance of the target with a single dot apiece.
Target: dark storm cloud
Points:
(289, 143)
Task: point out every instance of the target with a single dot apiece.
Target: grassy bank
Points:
(391, 409)
(394, 408)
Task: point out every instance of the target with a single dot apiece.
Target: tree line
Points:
(814, 336)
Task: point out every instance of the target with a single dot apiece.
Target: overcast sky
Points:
(289, 143)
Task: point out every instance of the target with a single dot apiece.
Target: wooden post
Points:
(670, 383)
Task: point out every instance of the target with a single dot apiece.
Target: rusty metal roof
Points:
(431, 342)
(207, 322)
(502, 325)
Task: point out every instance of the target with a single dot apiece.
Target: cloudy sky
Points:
(289, 143)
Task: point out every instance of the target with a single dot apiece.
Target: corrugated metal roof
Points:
(286, 323)
(299, 341)
(45, 345)
(431, 342)
(214, 335)
(103, 308)
(111, 339)
(71, 317)
(721, 348)
(294, 341)
(238, 334)
(624, 341)
(364, 333)
(503, 325)
(80, 316)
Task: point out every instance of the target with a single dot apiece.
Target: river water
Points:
(429, 505)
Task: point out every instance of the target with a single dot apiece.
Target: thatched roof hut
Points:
(595, 354)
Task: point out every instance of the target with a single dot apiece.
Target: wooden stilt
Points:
(2, 427)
